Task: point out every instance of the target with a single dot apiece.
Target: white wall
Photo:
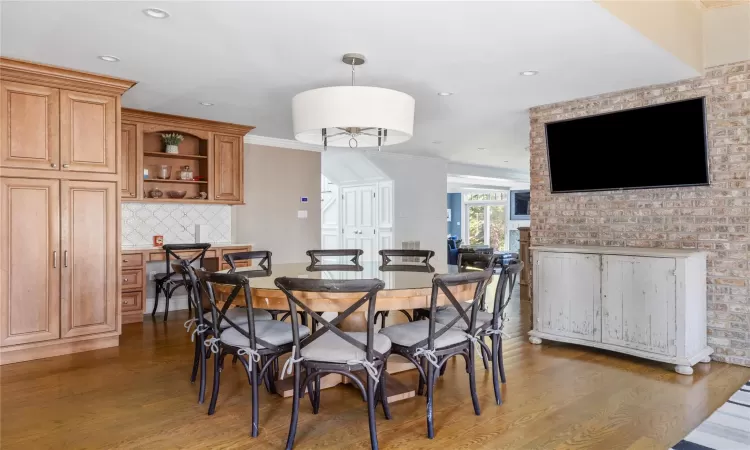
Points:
(419, 199)
(275, 179)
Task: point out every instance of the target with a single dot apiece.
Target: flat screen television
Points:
(519, 205)
(655, 146)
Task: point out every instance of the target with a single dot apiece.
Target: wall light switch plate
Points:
(302, 214)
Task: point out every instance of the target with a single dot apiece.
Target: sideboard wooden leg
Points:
(683, 370)
(706, 360)
(535, 340)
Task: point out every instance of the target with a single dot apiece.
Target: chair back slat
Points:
(369, 289)
(414, 256)
(351, 255)
(263, 255)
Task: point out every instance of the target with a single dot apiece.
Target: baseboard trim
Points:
(176, 303)
(10, 356)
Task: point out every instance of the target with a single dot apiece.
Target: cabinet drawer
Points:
(187, 254)
(132, 301)
(132, 279)
(132, 260)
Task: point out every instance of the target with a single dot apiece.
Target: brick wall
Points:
(715, 218)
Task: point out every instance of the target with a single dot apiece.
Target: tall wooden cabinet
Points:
(60, 187)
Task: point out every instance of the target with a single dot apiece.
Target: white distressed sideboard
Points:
(645, 302)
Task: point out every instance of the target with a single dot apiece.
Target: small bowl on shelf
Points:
(176, 194)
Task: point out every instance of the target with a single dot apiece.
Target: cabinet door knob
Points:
(124, 260)
(65, 166)
(54, 166)
(54, 259)
(65, 257)
(218, 196)
(125, 280)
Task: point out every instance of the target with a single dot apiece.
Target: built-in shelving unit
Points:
(212, 151)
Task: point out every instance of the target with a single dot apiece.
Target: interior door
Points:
(228, 161)
(638, 303)
(29, 126)
(29, 260)
(89, 257)
(88, 139)
(568, 296)
(359, 224)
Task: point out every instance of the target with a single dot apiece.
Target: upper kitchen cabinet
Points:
(206, 167)
(129, 160)
(88, 136)
(228, 168)
(29, 126)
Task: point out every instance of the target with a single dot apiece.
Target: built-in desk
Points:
(135, 276)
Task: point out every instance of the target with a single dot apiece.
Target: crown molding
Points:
(281, 143)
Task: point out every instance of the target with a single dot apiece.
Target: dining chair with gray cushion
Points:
(491, 324)
(331, 350)
(404, 260)
(429, 345)
(257, 343)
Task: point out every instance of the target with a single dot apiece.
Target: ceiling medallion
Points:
(353, 116)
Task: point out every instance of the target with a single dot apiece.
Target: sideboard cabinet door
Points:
(638, 303)
(568, 297)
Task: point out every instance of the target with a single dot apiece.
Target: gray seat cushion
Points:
(271, 331)
(445, 316)
(408, 334)
(331, 348)
(239, 316)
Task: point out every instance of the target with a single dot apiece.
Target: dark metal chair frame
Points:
(167, 283)
(314, 370)
(494, 328)
(203, 328)
(256, 370)
(428, 370)
(353, 253)
(386, 263)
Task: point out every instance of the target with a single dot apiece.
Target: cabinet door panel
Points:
(88, 140)
(30, 284)
(29, 126)
(129, 161)
(228, 168)
(569, 296)
(638, 303)
(89, 246)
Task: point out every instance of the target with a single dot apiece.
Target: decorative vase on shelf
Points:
(171, 141)
(156, 193)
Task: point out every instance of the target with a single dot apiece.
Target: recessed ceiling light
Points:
(156, 13)
(445, 94)
(528, 73)
(437, 142)
(481, 148)
(505, 161)
(207, 104)
(109, 58)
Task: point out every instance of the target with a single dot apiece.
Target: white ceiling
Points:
(250, 59)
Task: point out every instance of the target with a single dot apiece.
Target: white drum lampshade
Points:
(368, 116)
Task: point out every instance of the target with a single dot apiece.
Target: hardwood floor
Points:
(557, 396)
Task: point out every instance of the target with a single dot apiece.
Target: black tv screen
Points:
(655, 146)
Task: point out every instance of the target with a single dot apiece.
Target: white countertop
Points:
(213, 244)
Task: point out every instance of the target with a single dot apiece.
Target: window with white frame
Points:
(485, 216)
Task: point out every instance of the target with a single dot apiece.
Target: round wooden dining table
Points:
(407, 287)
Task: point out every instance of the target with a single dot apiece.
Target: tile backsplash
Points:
(175, 221)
